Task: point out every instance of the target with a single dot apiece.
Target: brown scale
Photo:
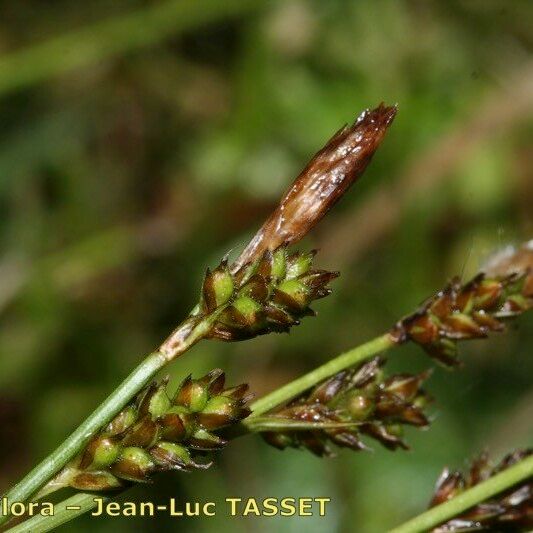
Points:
(324, 180)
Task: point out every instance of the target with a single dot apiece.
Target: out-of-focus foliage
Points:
(123, 178)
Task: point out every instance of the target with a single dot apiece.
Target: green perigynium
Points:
(160, 432)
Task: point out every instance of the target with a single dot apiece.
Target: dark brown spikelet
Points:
(321, 184)
(269, 295)
(348, 406)
(510, 511)
(159, 432)
(474, 309)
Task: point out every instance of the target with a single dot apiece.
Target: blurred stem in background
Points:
(109, 38)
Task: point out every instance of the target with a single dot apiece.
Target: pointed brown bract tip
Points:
(321, 184)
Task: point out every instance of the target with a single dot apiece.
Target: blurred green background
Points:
(142, 140)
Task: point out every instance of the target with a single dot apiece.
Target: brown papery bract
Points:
(321, 184)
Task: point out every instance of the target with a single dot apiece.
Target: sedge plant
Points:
(143, 427)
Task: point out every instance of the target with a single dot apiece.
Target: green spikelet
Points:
(270, 295)
(160, 432)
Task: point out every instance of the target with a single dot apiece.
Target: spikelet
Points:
(474, 309)
(159, 432)
(348, 406)
(248, 298)
(270, 295)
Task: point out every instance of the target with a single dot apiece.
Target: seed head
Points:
(348, 406)
(159, 432)
(270, 295)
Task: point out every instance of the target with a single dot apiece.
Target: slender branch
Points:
(477, 494)
(345, 360)
(265, 423)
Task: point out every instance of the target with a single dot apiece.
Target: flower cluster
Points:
(511, 510)
(158, 432)
(466, 311)
(351, 404)
(271, 294)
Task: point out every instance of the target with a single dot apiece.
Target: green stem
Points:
(477, 494)
(296, 387)
(265, 423)
(110, 38)
(187, 334)
(63, 512)
(58, 482)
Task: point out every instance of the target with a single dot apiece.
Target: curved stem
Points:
(477, 494)
(345, 360)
